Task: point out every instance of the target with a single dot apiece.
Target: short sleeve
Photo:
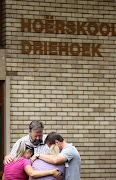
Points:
(67, 154)
(26, 162)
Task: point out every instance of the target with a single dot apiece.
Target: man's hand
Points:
(33, 158)
(8, 159)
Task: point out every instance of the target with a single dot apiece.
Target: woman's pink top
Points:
(16, 171)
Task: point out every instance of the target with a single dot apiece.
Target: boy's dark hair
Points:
(52, 136)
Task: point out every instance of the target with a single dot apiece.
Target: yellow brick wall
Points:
(74, 95)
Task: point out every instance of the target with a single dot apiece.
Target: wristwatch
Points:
(37, 155)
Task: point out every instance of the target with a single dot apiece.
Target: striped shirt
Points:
(41, 148)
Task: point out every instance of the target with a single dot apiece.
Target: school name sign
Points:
(56, 27)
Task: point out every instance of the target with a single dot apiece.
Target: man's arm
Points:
(52, 159)
(8, 158)
(14, 148)
(12, 154)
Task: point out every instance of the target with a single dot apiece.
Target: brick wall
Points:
(72, 93)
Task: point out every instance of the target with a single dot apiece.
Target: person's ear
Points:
(28, 151)
(29, 131)
(48, 144)
(56, 142)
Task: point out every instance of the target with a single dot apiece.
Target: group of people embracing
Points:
(41, 157)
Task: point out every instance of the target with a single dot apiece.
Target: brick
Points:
(73, 95)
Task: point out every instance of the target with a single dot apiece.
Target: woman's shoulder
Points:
(23, 162)
(22, 159)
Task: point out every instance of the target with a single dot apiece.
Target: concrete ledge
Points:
(2, 64)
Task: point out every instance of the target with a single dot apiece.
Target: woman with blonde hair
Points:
(20, 168)
(39, 164)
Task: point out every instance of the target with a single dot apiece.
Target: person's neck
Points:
(24, 156)
(64, 144)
